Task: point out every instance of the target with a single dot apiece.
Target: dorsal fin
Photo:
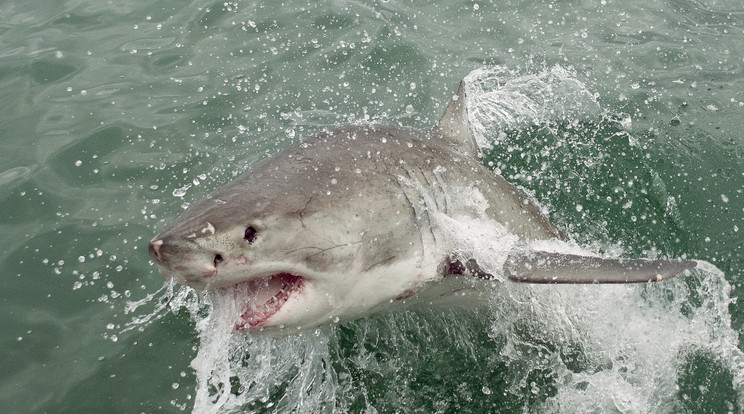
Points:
(454, 126)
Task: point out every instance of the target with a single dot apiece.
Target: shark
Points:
(354, 221)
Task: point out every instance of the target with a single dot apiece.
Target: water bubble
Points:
(180, 192)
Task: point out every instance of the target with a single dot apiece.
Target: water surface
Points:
(116, 115)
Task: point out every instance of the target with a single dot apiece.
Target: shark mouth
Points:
(260, 299)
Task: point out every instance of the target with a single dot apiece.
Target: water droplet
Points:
(180, 192)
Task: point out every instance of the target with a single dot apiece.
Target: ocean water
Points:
(623, 120)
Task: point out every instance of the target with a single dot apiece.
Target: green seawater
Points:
(116, 115)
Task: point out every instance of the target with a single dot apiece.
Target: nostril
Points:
(218, 259)
(155, 249)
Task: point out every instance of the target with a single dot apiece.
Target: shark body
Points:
(349, 222)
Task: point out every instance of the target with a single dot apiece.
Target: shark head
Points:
(307, 237)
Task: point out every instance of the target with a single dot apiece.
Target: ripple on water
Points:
(13, 174)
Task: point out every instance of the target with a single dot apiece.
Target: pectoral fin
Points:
(547, 267)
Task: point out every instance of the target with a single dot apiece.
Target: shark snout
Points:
(184, 259)
(155, 245)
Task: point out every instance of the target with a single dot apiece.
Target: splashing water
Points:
(555, 349)
(621, 348)
(498, 100)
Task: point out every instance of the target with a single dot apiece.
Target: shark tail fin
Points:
(552, 268)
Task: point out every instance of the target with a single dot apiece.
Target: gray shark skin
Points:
(345, 224)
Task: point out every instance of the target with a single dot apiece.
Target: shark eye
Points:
(250, 234)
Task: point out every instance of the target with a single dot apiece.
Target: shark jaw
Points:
(279, 298)
(261, 299)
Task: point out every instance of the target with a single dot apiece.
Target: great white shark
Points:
(349, 222)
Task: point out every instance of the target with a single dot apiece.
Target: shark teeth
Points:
(262, 298)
